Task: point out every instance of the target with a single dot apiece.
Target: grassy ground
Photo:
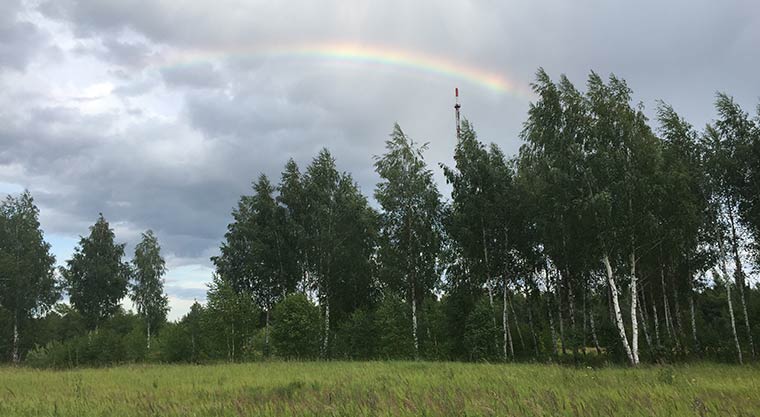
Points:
(383, 389)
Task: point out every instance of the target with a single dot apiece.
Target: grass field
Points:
(381, 388)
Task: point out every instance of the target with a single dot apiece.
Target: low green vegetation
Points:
(382, 388)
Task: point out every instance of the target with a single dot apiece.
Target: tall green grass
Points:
(381, 389)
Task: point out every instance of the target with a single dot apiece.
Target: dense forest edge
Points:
(608, 238)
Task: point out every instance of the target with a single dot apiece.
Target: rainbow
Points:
(354, 52)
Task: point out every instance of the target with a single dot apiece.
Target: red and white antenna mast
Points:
(456, 108)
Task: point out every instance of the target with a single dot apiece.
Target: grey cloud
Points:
(131, 55)
(199, 75)
(186, 293)
(135, 87)
(20, 41)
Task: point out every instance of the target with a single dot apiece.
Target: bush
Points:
(296, 328)
(357, 336)
(394, 328)
(481, 335)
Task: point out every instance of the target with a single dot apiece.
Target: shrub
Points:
(481, 335)
(394, 328)
(295, 328)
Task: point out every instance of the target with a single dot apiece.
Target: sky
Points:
(160, 113)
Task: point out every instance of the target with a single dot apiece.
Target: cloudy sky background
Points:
(96, 115)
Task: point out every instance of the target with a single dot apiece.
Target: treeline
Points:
(603, 239)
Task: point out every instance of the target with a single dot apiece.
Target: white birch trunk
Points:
(746, 318)
(739, 278)
(693, 323)
(644, 327)
(504, 321)
(233, 343)
(593, 333)
(14, 354)
(616, 308)
(727, 281)
(517, 324)
(634, 318)
(733, 321)
(509, 334)
(656, 324)
(559, 315)
(414, 328)
(665, 306)
(148, 330)
(554, 334)
(326, 340)
(533, 332)
(266, 334)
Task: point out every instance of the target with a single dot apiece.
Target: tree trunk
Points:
(618, 313)
(192, 343)
(585, 323)
(733, 321)
(533, 331)
(645, 327)
(739, 277)
(559, 314)
(677, 315)
(593, 333)
(666, 308)
(14, 353)
(746, 319)
(656, 321)
(693, 323)
(326, 340)
(504, 323)
(266, 334)
(489, 284)
(571, 311)
(148, 330)
(508, 330)
(634, 316)
(517, 323)
(554, 334)
(414, 327)
(233, 343)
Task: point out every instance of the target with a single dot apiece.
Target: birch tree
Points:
(338, 230)
(729, 141)
(148, 269)
(96, 276)
(256, 257)
(410, 231)
(28, 286)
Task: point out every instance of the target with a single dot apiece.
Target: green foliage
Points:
(393, 324)
(96, 277)
(480, 333)
(230, 319)
(411, 234)
(296, 327)
(148, 288)
(357, 336)
(27, 282)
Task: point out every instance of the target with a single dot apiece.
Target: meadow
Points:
(381, 389)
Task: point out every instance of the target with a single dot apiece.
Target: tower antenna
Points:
(456, 109)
